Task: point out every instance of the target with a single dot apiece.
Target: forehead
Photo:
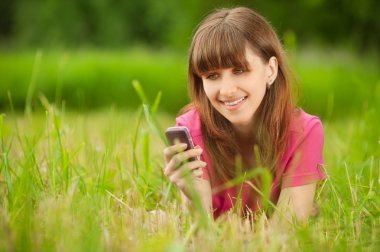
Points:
(252, 57)
(218, 48)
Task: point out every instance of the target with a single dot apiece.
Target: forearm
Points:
(203, 194)
(294, 203)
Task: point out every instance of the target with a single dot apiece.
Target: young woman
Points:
(241, 97)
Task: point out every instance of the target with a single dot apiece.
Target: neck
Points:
(245, 136)
(244, 132)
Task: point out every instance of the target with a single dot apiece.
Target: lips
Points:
(234, 101)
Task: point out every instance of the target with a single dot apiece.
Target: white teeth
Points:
(234, 102)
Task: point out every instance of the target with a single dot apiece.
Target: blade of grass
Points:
(353, 195)
(153, 124)
(140, 92)
(156, 103)
(32, 83)
(8, 174)
(239, 170)
(148, 111)
(135, 141)
(59, 85)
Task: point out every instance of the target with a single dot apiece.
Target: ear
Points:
(272, 70)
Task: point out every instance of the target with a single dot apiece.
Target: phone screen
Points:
(180, 134)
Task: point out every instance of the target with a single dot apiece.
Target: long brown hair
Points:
(219, 42)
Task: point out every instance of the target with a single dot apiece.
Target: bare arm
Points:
(188, 175)
(294, 202)
(203, 188)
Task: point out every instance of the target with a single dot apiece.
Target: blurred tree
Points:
(6, 19)
(123, 23)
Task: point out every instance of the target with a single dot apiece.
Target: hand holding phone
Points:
(180, 134)
(182, 161)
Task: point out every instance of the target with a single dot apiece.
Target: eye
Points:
(212, 76)
(239, 71)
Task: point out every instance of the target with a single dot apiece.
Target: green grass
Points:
(332, 83)
(88, 79)
(74, 181)
(82, 180)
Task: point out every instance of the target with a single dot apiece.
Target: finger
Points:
(193, 165)
(183, 157)
(183, 171)
(198, 173)
(182, 168)
(180, 177)
(172, 150)
(188, 169)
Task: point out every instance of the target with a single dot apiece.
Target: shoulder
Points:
(304, 122)
(304, 125)
(192, 120)
(303, 155)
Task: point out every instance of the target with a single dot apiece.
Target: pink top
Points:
(301, 163)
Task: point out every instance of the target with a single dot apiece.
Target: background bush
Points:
(89, 56)
(331, 84)
(169, 23)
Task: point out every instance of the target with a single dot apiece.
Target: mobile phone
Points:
(180, 134)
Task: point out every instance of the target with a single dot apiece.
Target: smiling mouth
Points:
(233, 103)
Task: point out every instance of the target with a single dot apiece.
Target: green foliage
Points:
(169, 23)
(332, 83)
(72, 181)
(91, 79)
(88, 182)
(100, 23)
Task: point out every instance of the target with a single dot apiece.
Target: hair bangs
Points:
(219, 47)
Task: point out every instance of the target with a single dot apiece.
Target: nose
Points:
(228, 88)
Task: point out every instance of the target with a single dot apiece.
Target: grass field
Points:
(73, 182)
(91, 79)
(87, 181)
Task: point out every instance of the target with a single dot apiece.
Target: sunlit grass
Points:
(72, 181)
(89, 181)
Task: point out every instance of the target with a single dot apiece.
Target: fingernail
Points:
(183, 145)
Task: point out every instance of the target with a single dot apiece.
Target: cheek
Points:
(209, 91)
(260, 85)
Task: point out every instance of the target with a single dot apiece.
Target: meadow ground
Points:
(88, 181)
(73, 182)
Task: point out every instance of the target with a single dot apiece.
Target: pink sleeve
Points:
(306, 163)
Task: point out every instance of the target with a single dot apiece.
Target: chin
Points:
(240, 123)
(239, 120)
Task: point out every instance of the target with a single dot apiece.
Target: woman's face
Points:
(237, 93)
